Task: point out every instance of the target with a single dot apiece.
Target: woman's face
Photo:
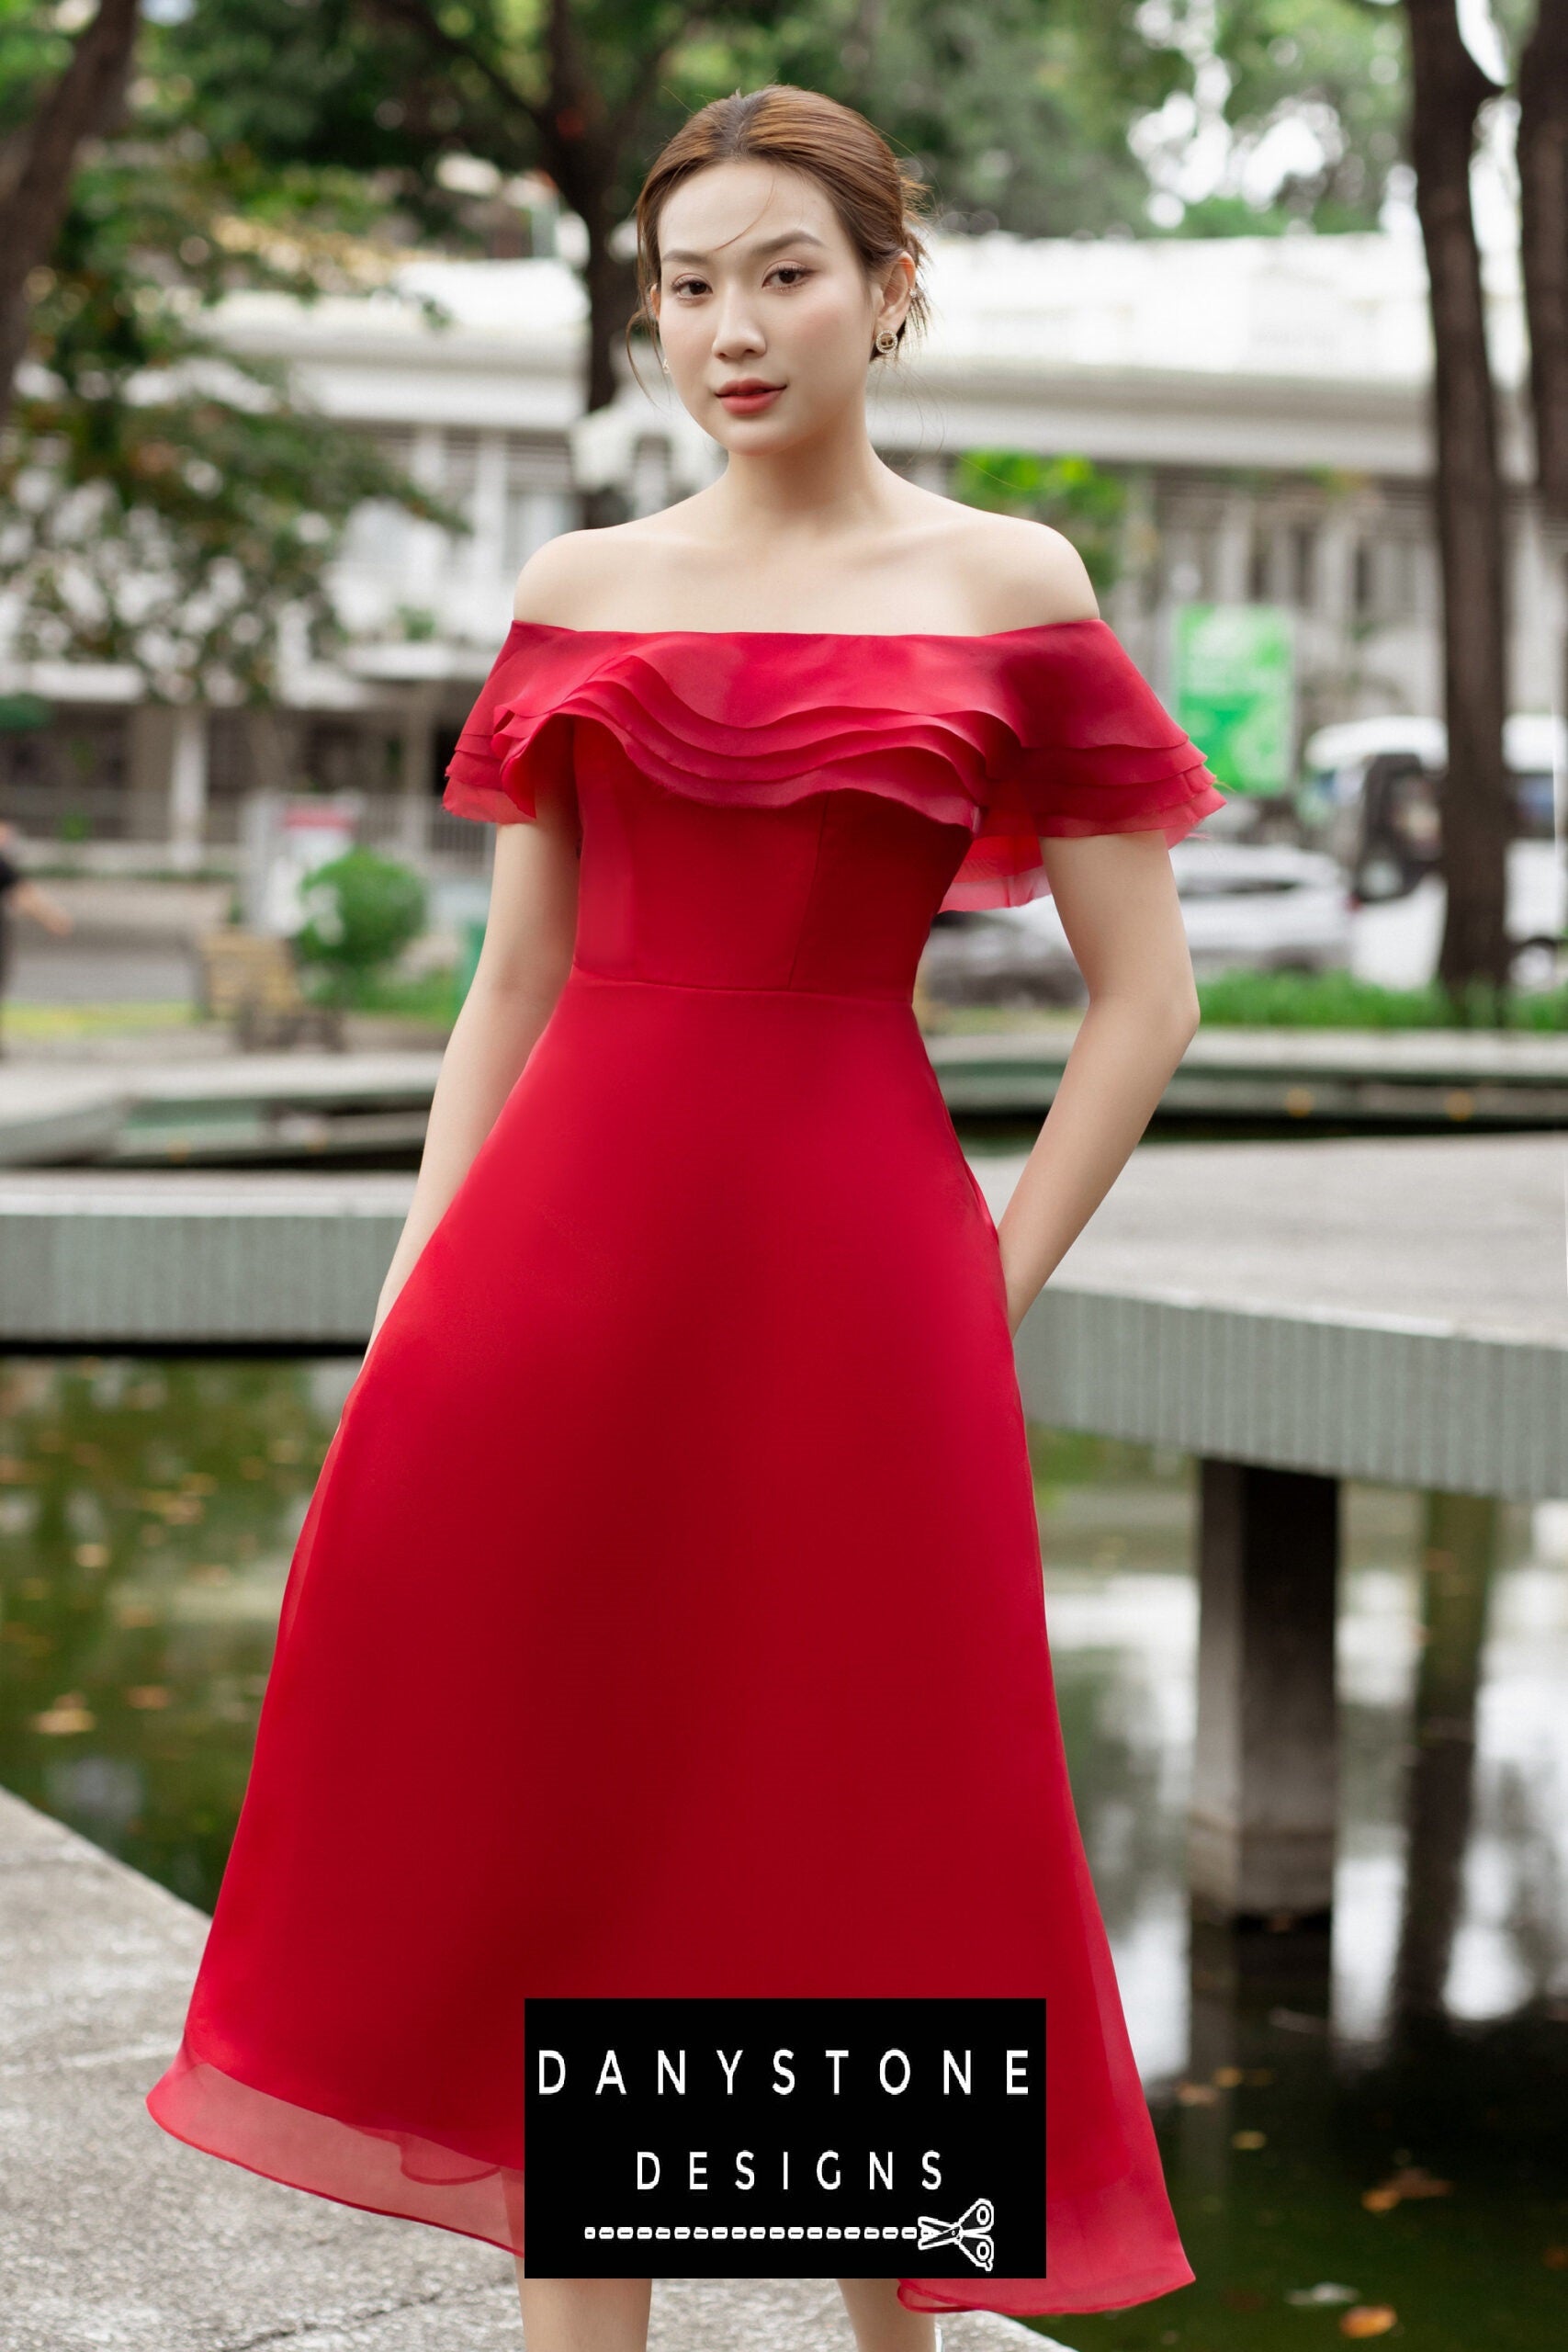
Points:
(759, 286)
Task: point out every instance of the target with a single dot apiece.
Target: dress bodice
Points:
(834, 891)
(779, 810)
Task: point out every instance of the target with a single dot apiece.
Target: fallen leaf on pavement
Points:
(1410, 2180)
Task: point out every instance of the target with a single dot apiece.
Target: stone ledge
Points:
(112, 2235)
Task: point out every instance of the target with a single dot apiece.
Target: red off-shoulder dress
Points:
(668, 1618)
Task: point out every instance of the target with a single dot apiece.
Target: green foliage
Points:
(166, 501)
(419, 625)
(338, 97)
(1229, 216)
(1340, 1001)
(389, 92)
(1085, 502)
(1017, 115)
(363, 911)
(1335, 67)
(34, 48)
(431, 1000)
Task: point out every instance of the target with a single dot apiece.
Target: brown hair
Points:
(875, 196)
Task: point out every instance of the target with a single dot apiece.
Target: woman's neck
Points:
(811, 494)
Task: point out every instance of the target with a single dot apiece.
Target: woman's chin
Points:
(765, 434)
(764, 424)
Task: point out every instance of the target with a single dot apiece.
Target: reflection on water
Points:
(148, 1512)
(1344, 2161)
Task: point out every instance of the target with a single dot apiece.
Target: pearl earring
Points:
(887, 340)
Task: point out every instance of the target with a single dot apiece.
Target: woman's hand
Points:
(1019, 1299)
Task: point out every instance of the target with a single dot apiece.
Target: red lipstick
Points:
(749, 395)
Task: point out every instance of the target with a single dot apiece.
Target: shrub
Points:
(362, 912)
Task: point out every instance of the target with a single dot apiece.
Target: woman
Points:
(668, 1617)
(18, 896)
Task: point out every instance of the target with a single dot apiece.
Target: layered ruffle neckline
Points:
(1016, 736)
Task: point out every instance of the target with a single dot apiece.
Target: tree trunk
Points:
(608, 309)
(580, 142)
(584, 175)
(1448, 91)
(611, 293)
(85, 100)
(583, 146)
(1543, 244)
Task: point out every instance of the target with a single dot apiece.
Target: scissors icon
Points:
(971, 2233)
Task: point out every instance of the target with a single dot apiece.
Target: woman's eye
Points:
(793, 271)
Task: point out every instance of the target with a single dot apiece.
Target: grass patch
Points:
(45, 1022)
(1340, 1001)
(432, 996)
(1285, 1001)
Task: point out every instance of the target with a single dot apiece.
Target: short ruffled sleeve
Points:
(486, 778)
(1096, 752)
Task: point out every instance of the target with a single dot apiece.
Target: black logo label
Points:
(788, 2139)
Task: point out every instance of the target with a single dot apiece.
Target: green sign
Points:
(1236, 691)
(20, 714)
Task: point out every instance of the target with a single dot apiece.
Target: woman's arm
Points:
(28, 900)
(1116, 895)
(527, 948)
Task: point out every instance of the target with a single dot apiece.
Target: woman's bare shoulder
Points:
(1026, 574)
(556, 584)
(572, 579)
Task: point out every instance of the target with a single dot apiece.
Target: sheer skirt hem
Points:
(407, 2176)
(396, 2172)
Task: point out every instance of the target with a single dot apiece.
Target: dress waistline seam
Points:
(722, 988)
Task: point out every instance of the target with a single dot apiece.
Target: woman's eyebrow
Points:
(765, 246)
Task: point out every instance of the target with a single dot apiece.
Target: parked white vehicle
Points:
(1370, 790)
(1370, 798)
(1263, 907)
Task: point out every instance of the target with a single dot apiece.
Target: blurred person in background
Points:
(20, 896)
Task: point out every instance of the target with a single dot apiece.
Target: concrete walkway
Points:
(1392, 1310)
(115, 2237)
(246, 1106)
(198, 1102)
(1450, 1078)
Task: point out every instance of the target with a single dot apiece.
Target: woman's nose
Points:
(736, 329)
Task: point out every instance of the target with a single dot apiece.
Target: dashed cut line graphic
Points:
(748, 2229)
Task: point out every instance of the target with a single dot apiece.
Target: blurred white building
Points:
(1267, 396)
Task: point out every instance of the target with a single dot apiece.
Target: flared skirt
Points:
(667, 1620)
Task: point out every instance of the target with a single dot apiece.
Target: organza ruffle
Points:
(400, 2173)
(1022, 737)
(382, 2169)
